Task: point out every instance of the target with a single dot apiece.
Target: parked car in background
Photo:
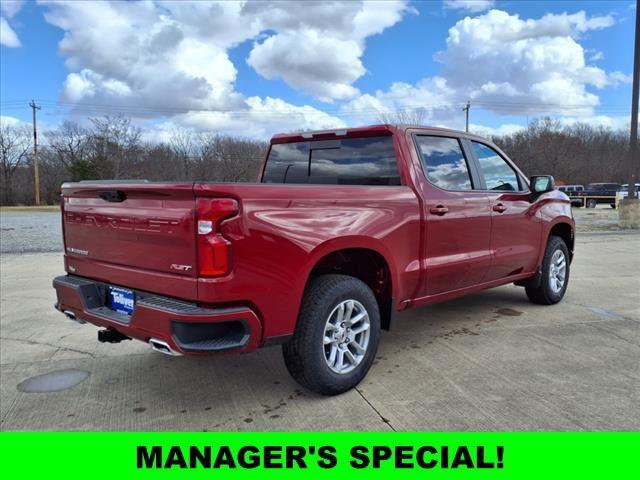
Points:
(595, 194)
(569, 189)
(624, 192)
(343, 229)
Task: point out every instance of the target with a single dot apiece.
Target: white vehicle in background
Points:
(624, 192)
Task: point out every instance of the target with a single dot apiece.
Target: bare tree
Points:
(115, 140)
(404, 117)
(15, 145)
(229, 159)
(112, 147)
(578, 153)
(70, 145)
(184, 148)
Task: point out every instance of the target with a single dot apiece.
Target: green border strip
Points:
(527, 455)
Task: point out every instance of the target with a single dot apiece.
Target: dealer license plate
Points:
(121, 300)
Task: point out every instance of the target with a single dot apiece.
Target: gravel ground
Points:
(600, 219)
(24, 231)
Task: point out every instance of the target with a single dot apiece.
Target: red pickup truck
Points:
(343, 229)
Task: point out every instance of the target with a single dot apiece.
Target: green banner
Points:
(319, 455)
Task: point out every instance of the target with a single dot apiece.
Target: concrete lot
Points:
(492, 361)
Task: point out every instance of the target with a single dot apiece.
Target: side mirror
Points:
(541, 184)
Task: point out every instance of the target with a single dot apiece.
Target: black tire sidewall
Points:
(333, 289)
(555, 244)
(371, 307)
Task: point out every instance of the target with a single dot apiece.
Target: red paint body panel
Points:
(281, 231)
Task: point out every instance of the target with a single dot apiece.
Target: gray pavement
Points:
(491, 361)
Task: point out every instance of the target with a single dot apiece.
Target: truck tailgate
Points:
(131, 228)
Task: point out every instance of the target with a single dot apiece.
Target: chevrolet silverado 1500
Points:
(343, 229)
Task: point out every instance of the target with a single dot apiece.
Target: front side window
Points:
(444, 162)
(497, 173)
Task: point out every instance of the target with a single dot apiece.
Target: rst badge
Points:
(180, 268)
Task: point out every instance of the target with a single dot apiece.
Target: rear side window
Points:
(287, 163)
(497, 173)
(444, 162)
(352, 161)
(355, 161)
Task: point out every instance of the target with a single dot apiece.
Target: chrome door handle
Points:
(439, 210)
(499, 207)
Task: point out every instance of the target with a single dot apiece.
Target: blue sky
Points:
(255, 69)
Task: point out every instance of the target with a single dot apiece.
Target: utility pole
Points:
(36, 171)
(633, 137)
(466, 113)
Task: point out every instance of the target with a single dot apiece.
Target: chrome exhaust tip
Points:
(162, 347)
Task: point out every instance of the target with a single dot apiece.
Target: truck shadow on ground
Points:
(260, 385)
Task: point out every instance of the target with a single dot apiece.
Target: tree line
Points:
(112, 147)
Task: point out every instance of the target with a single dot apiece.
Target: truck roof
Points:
(368, 130)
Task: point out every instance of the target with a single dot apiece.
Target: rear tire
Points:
(555, 274)
(336, 337)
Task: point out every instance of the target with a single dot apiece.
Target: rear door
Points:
(458, 218)
(515, 227)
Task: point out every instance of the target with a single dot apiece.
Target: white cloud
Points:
(504, 129)
(261, 119)
(509, 65)
(170, 59)
(595, 56)
(8, 36)
(10, 7)
(318, 48)
(473, 6)
(613, 122)
(617, 78)
(6, 120)
(135, 53)
(309, 61)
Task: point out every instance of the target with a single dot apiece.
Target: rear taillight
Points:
(214, 251)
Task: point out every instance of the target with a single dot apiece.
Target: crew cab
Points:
(342, 230)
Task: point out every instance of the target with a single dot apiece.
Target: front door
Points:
(516, 229)
(458, 219)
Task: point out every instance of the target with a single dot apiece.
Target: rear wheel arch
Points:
(366, 264)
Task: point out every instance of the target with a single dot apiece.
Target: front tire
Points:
(555, 274)
(592, 203)
(337, 334)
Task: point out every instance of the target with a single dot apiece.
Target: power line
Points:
(158, 109)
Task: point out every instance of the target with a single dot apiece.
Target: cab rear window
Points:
(352, 161)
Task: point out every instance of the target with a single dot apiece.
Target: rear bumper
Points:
(185, 327)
